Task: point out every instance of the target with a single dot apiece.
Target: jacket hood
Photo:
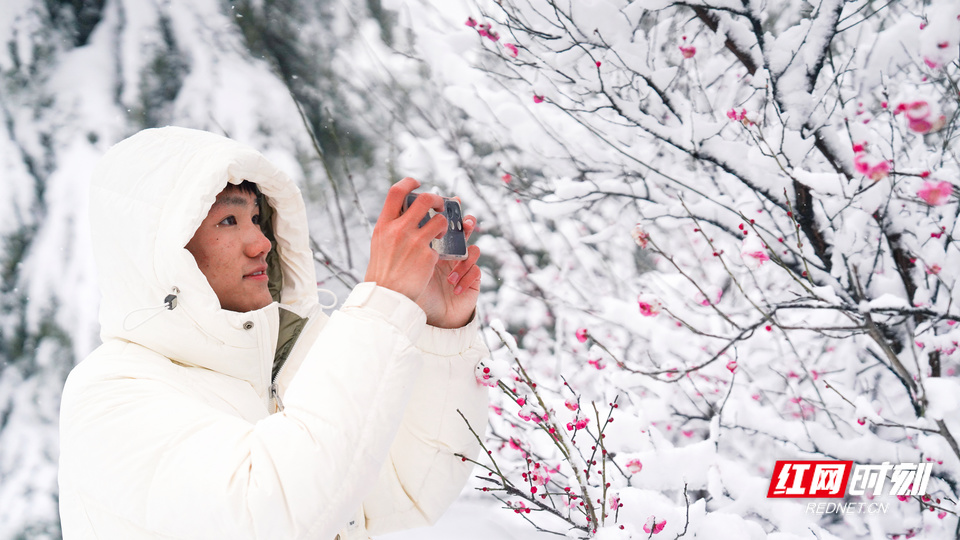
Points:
(149, 194)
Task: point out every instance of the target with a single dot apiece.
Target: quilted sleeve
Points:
(424, 473)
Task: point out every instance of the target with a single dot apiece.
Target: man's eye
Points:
(229, 220)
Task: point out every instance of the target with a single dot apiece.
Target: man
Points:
(223, 403)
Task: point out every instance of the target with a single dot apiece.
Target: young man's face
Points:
(231, 251)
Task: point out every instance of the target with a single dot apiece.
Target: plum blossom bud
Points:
(490, 371)
(688, 51)
(518, 507)
(485, 376)
(935, 193)
(582, 335)
(537, 98)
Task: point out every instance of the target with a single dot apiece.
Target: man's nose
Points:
(256, 243)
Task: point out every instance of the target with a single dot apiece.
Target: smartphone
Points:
(453, 244)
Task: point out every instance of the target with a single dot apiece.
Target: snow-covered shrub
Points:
(717, 234)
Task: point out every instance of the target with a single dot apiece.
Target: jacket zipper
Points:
(274, 391)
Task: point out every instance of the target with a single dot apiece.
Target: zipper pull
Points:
(275, 394)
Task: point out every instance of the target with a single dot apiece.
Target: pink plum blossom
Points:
(541, 477)
(649, 306)
(634, 466)
(688, 51)
(713, 300)
(732, 366)
(759, 256)
(641, 237)
(753, 252)
(485, 30)
(471, 22)
(921, 117)
(527, 413)
(596, 362)
(739, 116)
(512, 48)
(537, 98)
(652, 526)
(871, 168)
(935, 193)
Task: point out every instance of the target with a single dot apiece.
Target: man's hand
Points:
(450, 297)
(401, 258)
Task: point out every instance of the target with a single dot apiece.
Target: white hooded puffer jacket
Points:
(169, 430)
